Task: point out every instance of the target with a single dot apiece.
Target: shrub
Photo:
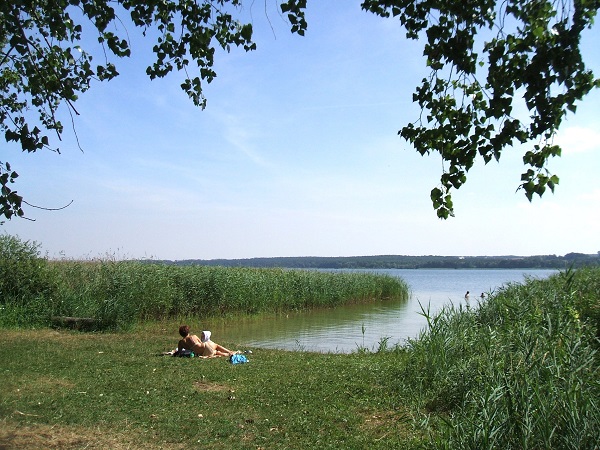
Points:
(26, 283)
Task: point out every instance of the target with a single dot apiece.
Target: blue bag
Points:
(238, 359)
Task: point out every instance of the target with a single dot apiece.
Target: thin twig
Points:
(48, 209)
(23, 414)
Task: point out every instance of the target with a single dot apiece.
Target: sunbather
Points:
(203, 347)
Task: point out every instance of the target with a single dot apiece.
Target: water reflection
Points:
(347, 328)
(327, 330)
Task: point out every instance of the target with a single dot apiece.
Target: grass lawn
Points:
(62, 389)
(519, 371)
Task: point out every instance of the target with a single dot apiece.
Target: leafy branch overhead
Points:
(527, 58)
(529, 54)
(44, 63)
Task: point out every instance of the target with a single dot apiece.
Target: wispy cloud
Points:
(578, 139)
(593, 197)
(242, 138)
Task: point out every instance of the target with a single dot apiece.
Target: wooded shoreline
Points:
(404, 262)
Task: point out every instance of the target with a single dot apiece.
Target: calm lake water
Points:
(344, 329)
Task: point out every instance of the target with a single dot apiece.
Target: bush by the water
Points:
(117, 294)
(518, 372)
(26, 281)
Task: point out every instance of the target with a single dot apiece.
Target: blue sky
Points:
(296, 154)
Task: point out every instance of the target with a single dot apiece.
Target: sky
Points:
(296, 154)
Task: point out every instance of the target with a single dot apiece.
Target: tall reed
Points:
(518, 372)
(155, 291)
(117, 294)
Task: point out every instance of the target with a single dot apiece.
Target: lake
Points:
(345, 329)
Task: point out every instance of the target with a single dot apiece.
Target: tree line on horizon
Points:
(403, 262)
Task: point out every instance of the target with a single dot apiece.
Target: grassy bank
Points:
(118, 294)
(519, 371)
(69, 390)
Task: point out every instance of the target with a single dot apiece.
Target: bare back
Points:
(191, 342)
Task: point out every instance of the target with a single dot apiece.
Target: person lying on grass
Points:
(203, 347)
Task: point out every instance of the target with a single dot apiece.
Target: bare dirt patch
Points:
(204, 386)
(47, 384)
(382, 423)
(33, 437)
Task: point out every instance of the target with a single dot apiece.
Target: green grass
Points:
(519, 371)
(64, 381)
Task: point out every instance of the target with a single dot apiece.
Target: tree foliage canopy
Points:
(529, 52)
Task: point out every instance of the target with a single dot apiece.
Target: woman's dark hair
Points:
(184, 330)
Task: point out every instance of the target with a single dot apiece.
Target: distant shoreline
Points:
(402, 262)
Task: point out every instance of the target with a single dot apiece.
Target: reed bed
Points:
(518, 372)
(118, 294)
